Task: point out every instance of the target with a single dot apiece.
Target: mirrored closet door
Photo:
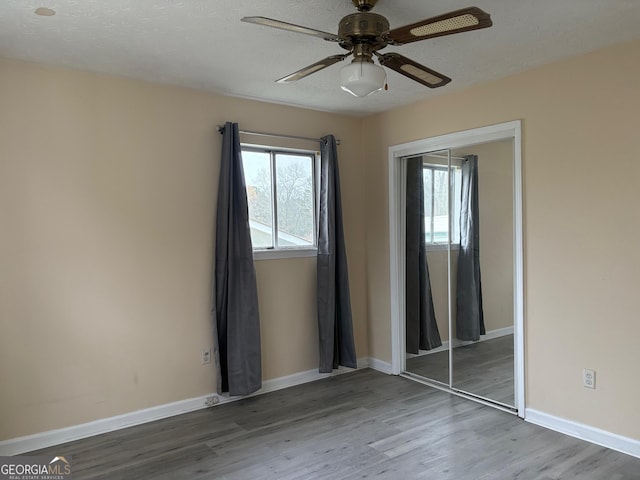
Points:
(427, 266)
(460, 269)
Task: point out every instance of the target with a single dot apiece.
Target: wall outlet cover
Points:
(588, 378)
(205, 359)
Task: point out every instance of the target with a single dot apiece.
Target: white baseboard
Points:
(295, 379)
(498, 332)
(588, 433)
(490, 335)
(15, 446)
(380, 366)
(49, 438)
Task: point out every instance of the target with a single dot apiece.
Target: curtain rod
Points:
(275, 135)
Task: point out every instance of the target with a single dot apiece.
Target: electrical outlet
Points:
(206, 356)
(588, 378)
(211, 401)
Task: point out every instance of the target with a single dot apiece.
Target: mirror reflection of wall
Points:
(486, 366)
(481, 364)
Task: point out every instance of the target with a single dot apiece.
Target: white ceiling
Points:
(202, 44)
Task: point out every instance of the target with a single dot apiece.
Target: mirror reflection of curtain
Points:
(469, 316)
(421, 327)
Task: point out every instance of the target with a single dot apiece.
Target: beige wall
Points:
(580, 135)
(107, 195)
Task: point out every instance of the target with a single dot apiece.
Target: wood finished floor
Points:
(360, 425)
(483, 368)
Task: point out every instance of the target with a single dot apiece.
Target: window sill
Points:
(439, 247)
(284, 253)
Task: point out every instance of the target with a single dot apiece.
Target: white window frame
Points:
(436, 246)
(278, 252)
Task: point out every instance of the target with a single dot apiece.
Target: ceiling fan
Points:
(364, 33)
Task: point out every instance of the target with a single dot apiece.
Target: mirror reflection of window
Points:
(436, 190)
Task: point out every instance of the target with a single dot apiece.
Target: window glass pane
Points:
(440, 206)
(257, 175)
(294, 187)
(427, 177)
(436, 206)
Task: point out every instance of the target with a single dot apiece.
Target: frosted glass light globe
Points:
(362, 78)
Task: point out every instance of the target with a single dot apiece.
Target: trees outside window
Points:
(436, 204)
(281, 197)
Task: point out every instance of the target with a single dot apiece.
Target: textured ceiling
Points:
(202, 43)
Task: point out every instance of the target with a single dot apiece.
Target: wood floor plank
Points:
(483, 368)
(360, 425)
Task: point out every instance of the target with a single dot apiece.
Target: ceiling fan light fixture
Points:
(364, 34)
(362, 78)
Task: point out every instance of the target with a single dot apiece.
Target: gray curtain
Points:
(469, 316)
(334, 305)
(235, 291)
(421, 327)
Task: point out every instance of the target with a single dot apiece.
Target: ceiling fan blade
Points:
(270, 22)
(413, 70)
(471, 18)
(313, 68)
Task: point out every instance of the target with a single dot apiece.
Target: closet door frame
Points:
(397, 171)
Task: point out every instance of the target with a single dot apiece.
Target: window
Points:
(436, 205)
(281, 195)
